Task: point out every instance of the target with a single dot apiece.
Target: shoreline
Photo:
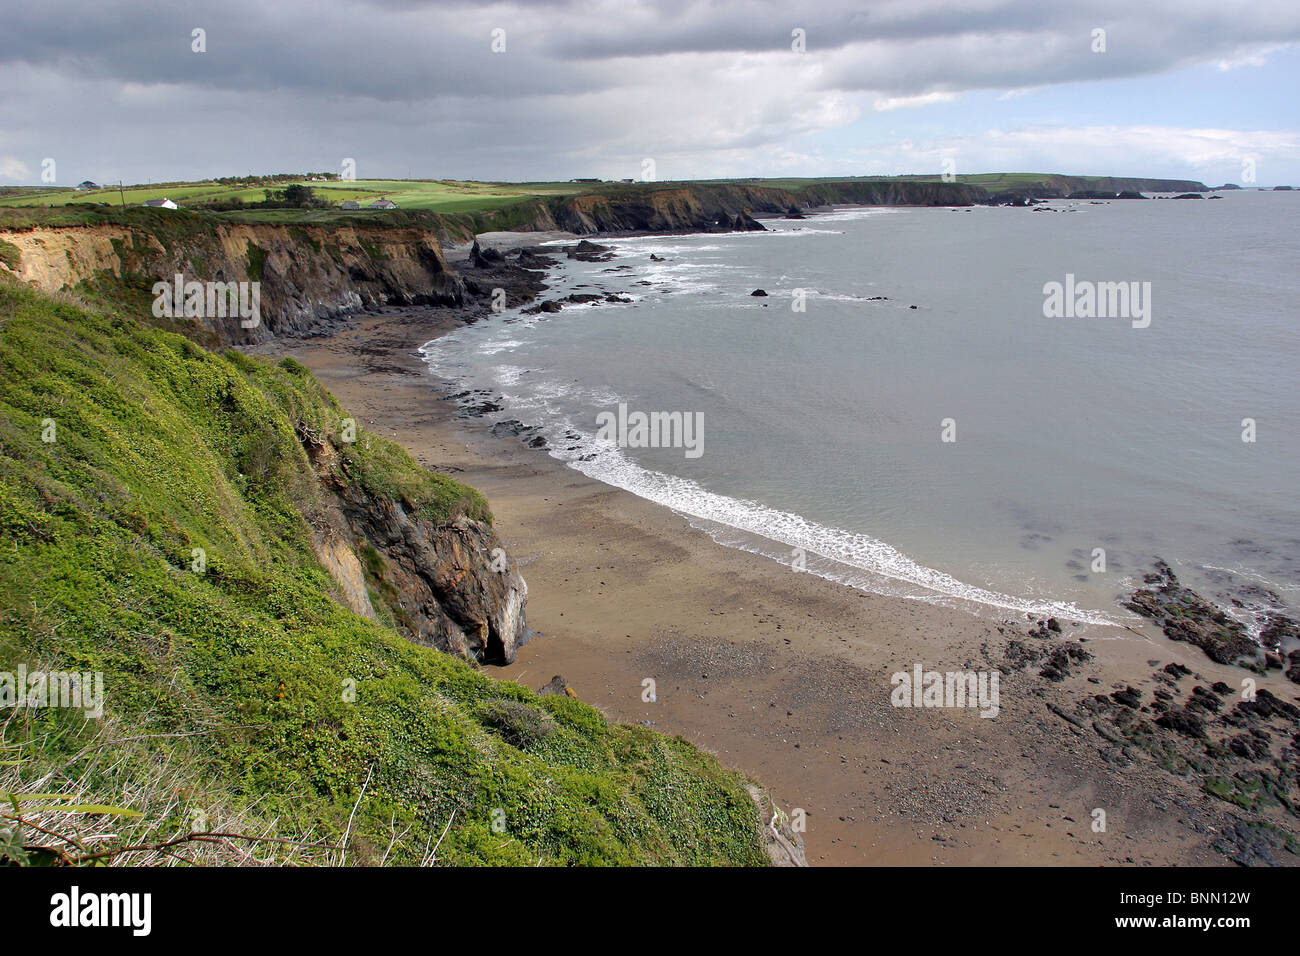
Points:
(786, 676)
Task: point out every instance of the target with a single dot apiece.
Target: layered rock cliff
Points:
(1084, 187)
(708, 207)
(306, 273)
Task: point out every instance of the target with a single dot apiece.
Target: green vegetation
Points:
(156, 507)
(256, 260)
(453, 208)
(447, 197)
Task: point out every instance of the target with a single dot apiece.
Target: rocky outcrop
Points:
(484, 258)
(1239, 748)
(1185, 616)
(448, 594)
(448, 585)
(1105, 194)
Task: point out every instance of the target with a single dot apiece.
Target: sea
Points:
(906, 412)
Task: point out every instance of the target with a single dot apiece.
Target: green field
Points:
(433, 195)
(470, 206)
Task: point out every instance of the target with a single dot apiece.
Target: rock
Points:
(1185, 616)
(586, 251)
(557, 686)
(443, 575)
(758, 292)
(744, 222)
(1185, 723)
(1265, 706)
(1277, 630)
(1249, 843)
(1057, 667)
(511, 428)
(548, 305)
(484, 258)
(1204, 699)
(794, 212)
(1129, 697)
(1190, 196)
(530, 260)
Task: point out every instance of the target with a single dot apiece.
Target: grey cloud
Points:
(586, 87)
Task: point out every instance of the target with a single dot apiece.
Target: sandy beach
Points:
(785, 675)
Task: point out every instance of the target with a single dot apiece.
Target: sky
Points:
(555, 90)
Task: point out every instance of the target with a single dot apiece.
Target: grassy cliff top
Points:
(472, 200)
(239, 694)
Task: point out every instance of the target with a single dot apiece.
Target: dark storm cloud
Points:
(586, 87)
(404, 49)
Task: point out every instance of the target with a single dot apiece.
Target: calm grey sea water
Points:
(822, 428)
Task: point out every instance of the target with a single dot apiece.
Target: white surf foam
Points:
(860, 557)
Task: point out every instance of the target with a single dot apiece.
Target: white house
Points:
(159, 203)
(350, 204)
(383, 204)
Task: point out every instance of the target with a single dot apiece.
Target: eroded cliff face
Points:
(306, 273)
(702, 207)
(448, 585)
